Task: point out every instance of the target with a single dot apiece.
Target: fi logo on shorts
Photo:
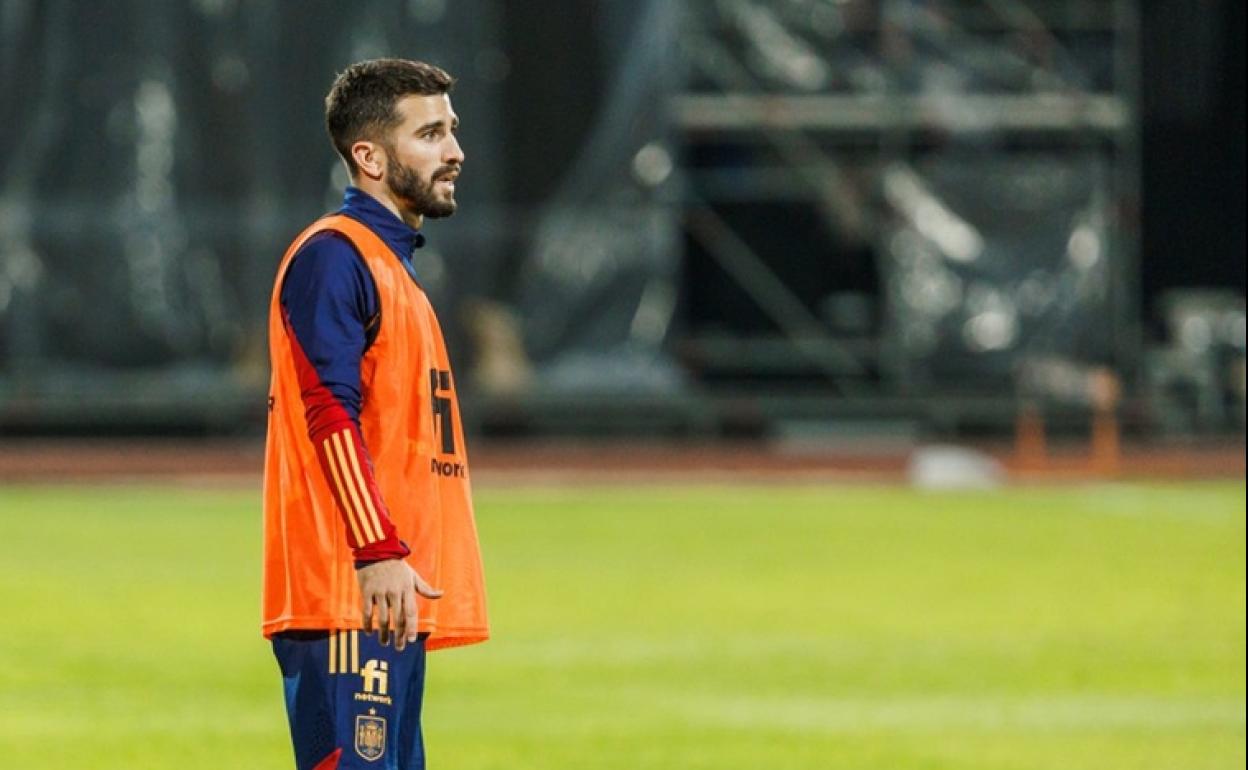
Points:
(375, 683)
(376, 676)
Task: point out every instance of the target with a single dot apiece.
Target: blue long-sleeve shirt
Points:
(331, 300)
(331, 307)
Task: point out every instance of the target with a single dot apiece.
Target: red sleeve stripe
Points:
(348, 489)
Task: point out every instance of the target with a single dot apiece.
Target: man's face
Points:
(423, 157)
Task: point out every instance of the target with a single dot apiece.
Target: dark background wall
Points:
(1193, 149)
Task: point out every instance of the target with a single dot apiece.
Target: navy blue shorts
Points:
(351, 702)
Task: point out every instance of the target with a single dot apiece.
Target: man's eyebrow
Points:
(437, 124)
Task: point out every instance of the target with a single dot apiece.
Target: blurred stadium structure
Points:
(711, 217)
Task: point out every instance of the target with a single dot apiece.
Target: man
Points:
(366, 500)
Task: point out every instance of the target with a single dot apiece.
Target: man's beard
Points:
(415, 194)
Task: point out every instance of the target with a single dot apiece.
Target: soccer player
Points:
(370, 547)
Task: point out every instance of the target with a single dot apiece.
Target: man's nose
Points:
(454, 153)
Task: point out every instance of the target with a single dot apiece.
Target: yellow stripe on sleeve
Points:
(368, 499)
(343, 465)
(333, 652)
(342, 494)
(355, 652)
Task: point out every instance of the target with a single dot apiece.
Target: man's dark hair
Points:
(361, 103)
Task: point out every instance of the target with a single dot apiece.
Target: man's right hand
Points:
(388, 597)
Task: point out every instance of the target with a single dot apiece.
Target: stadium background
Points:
(853, 383)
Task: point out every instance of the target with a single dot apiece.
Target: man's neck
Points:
(382, 194)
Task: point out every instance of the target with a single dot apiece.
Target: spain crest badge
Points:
(370, 736)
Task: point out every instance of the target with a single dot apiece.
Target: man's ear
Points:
(370, 158)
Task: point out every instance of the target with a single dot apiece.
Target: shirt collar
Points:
(401, 238)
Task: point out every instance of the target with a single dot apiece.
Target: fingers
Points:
(366, 608)
(391, 609)
(423, 588)
(388, 601)
(409, 624)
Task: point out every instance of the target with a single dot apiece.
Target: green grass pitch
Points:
(669, 628)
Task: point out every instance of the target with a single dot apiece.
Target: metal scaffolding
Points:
(984, 153)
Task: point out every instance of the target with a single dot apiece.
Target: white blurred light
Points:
(990, 331)
(953, 467)
(20, 267)
(652, 164)
(1233, 329)
(157, 122)
(1084, 248)
(954, 236)
(781, 54)
(1196, 333)
(654, 313)
(934, 293)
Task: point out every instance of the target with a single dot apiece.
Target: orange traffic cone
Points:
(1031, 451)
(1106, 450)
